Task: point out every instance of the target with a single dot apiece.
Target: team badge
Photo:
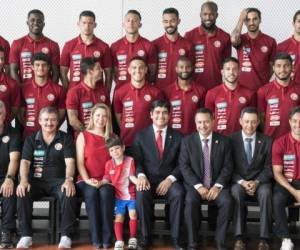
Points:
(264, 49)
(45, 50)
(76, 73)
(5, 139)
(3, 88)
(58, 146)
(195, 99)
(217, 44)
(242, 100)
(50, 97)
(97, 53)
(102, 98)
(294, 96)
(181, 52)
(141, 52)
(147, 98)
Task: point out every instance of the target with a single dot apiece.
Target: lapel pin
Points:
(259, 141)
(216, 141)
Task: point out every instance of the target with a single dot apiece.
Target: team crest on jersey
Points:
(3, 88)
(294, 96)
(5, 139)
(242, 100)
(97, 53)
(217, 44)
(264, 49)
(195, 98)
(45, 50)
(147, 98)
(181, 52)
(50, 97)
(141, 52)
(102, 98)
(58, 146)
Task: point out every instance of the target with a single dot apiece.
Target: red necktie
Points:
(159, 143)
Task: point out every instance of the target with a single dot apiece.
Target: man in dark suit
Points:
(156, 150)
(206, 165)
(252, 174)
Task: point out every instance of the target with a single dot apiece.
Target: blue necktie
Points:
(249, 150)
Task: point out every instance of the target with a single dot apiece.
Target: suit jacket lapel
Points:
(214, 145)
(198, 154)
(167, 143)
(257, 146)
(242, 146)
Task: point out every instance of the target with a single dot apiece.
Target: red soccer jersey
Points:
(227, 105)
(286, 152)
(292, 47)
(168, 53)
(24, 48)
(210, 52)
(276, 102)
(123, 50)
(10, 94)
(184, 105)
(76, 49)
(134, 105)
(255, 56)
(35, 98)
(119, 175)
(95, 155)
(82, 98)
(5, 45)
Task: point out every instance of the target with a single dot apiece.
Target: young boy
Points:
(120, 172)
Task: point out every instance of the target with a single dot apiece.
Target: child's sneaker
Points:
(119, 245)
(132, 243)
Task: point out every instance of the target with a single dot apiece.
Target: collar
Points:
(191, 87)
(258, 36)
(208, 137)
(155, 128)
(292, 139)
(35, 41)
(279, 86)
(39, 136)
(127, 42)
(85, 86)
(167, 40)
(202, 32)
(34, 84)
(226, 89)
(80, 41)
(134, 88)
(247, 136)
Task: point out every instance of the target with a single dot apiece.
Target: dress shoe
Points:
(239, 245)
(176, 245)
(263, 245)
(143, 244)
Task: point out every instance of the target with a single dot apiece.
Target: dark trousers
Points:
(40, 188)
(264, 197)
(192, 214)
(99, 203)
(8, 211)
(281, 199)
(145, 207)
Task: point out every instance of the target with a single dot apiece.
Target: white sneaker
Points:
(287, 244)
(119, 245)
(65, 242)
(132, 243)
(25, 242)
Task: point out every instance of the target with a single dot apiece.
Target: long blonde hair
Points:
(108, 125)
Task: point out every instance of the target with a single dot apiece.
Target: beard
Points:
(285, 78)
(209, 27)
(172, 31)
(185, 75)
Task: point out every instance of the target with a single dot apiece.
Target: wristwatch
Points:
(10, 177)
(70, 178)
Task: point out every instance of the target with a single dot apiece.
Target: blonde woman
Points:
(91, 158)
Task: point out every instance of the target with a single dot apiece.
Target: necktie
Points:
(249, 150)
(207, 170)
(159, 143)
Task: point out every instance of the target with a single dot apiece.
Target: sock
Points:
(132, 228)
(119, 230)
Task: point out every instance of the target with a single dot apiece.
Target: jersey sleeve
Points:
(28, 148)
(132, 168)
(55, 54)
(15, 141)
(14, 53)
(61, 98)
(69, 147)
(261, 102)
(210, 101)
(15, 98)
(106, 172)
(72, 101)
(277, 153)
(118, 105)
(65, 56)
(106, 60)
(152, 56)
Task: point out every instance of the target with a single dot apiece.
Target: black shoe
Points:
(176, 245)
(6, 240)
(143, 244)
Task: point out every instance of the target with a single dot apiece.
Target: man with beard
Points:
(277, 98)
(23, 49)
(211, 44)
(255, 50)
(6, 47)
(185, 96)
(291, 46)
(169, 47)
(133, 44)
(228, 99)
(286, 169)
(84, 45)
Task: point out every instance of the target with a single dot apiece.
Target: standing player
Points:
(277, 98)
(292, 47)
(185, 96)
(85, 45)
(227, 100)
(23, 49)
(133, 44)
(132, 102)
(255, 49)
(5, 45)
(38, 93)
(211, 44)
(169, 47)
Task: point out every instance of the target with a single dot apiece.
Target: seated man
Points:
(47, 168)
(252, 176)
(206, 165)
(156, 150)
